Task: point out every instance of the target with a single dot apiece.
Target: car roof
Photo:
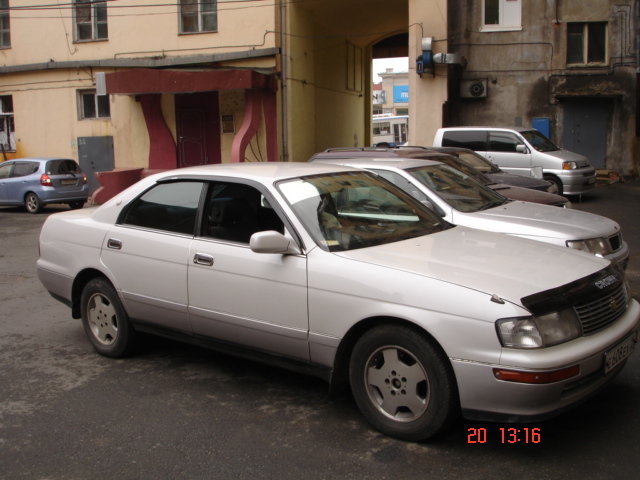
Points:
(490, 127)
(378, 152)
(258, 171)
(371, 162)
(38, 159)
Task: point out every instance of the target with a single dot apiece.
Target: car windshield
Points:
(464, 167)
(539, 141)
(478, 162)
(457, 189)
(351, 210)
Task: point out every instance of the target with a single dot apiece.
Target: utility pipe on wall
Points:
(284, 64)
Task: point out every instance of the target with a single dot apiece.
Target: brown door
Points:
(198, 128)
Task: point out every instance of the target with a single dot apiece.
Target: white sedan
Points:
(333, 271)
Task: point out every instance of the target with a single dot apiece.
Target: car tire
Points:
(76, 205)
(556, 181)
(403, 383)
(32, 203)
(105, 320)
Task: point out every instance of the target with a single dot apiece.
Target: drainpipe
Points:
(284, 64)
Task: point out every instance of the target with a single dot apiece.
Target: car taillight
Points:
(84, 178)
(45, 180)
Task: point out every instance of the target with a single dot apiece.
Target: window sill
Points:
(92, 41)
(498, 28)
(197, 33)
(587, 65)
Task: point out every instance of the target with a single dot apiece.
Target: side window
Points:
(22, 169)
(236, 211)
(472, 139)
(90, 19)
(93, 106)
(5, 170)
(503, 142)
(171, 207)
(197, 16)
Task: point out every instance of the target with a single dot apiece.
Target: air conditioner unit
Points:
(473, 88)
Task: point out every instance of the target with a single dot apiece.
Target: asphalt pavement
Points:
(175, 411)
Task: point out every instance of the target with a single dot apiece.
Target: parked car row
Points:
(335, 271)
(451, 188)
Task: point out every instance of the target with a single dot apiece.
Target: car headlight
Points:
(569, 165)
(539, 331)
(593, 245)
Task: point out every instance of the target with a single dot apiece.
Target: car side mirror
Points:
(521, 148)
(273, 242)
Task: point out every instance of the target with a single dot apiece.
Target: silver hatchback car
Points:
(35, 182)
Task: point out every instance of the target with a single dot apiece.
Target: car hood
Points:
(518, 180)
(509, 267)
(567, 156)
(539, 221)
(528, 195)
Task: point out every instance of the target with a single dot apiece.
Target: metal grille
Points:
(599, 314)
(615, 242)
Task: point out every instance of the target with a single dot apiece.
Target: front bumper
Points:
(483, 397)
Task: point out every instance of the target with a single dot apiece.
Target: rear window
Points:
(471, 139)
(61, 167)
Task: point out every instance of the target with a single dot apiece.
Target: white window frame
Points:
(81, 111)
(510, 17)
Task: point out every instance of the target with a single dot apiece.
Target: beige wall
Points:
(427, 94)
(328, 77)
(45, 105)
(145, 31)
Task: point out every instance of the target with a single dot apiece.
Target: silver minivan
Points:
(518, 150)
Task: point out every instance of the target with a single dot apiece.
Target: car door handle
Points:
(115, 244)
(202, 259)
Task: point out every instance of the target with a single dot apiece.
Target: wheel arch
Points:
(81, 280)
(552, 177)
(340, 374)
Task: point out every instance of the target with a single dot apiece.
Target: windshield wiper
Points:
(497, 203)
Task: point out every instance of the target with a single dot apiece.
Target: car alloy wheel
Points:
(32, 203)
(403, 382)
(105, 320)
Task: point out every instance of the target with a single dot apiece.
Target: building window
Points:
(198, 16)
(7, 127)
(91, 20)
(501, 15)
(5, 31)
(586, 43)
(93, 106)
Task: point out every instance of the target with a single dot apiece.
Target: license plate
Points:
(68, 182)
(614, 357)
